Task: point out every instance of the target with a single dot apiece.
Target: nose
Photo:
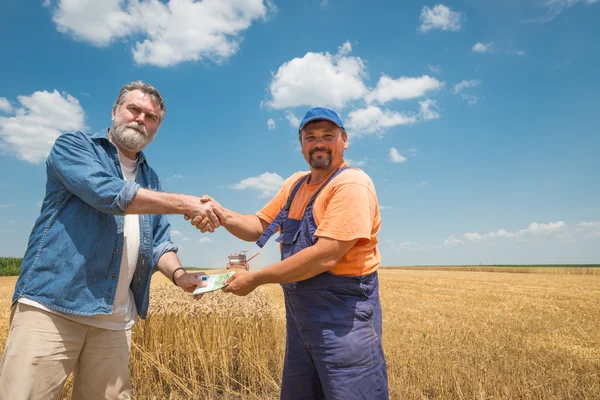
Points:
(140, 118)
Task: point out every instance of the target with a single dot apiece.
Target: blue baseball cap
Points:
(319, 113)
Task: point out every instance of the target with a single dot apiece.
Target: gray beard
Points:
(125, 136)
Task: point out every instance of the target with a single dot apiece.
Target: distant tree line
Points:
(10, 266)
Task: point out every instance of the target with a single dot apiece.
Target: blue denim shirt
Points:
(73, 258)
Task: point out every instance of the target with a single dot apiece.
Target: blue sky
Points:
(476, 120)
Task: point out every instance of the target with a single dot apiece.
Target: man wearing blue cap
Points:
(329, 220)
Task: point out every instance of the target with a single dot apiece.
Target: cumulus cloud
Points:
(5, 105)
(482, 47)
(171, 32)
(402, 88)
(338, 81)
(266, 184)
(374, 120)
(441, 17)
(318, 79)
(204, 239)
(271, 124)
(395, 156)
(41, 118)
(176, 233)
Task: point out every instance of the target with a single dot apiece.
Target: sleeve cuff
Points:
(125, 197)
(161, 249)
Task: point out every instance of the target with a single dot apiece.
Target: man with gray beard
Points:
(85, 276)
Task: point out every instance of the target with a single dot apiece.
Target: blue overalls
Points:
(333, 344)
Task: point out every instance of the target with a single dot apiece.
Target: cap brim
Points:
(320, 119)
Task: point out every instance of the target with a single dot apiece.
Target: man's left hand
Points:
(241, 283)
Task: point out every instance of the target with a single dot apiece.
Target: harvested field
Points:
(447, 335)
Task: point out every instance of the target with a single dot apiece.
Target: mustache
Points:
(139, 127)
(312, 151)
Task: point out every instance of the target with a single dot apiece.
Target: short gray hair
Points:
(147, 89)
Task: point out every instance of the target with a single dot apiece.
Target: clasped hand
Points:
(206, 217)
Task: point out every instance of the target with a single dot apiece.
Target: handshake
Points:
(205, 213)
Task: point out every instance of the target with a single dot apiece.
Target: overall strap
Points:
(314, 196)
(270, 231)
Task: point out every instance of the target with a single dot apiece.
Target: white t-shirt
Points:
(124, 312)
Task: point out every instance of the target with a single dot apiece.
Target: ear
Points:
(345, 142)
(114, 114)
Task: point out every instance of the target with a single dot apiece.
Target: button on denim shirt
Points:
(73, 258)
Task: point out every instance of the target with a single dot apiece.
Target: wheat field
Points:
(447, 335)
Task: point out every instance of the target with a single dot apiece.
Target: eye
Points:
(152, 117)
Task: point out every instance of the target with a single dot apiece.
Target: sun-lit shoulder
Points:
(354, 175)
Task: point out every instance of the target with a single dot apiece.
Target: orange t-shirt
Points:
(346, 209)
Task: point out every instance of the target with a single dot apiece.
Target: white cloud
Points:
(293, 120)
(204, 239)
(441, 17)
(533, 229)
(374, 120)
(421, 184)
(555, 7)
(385, 207)
(172, 32)
(413, 150)
(318, 79)
(46, 3)
(428, 108)
(176, 233)
(402, 88)
(353, 163)
(466, 84)
(470, 98)
(452, 242)
(395, 156)
(5, 105)
(435, 69)
(266, 184)
(178, 176)
(7, 205)
(271, 124)
(42, 118)
(324, 3)
(482, 47)
(345, 49)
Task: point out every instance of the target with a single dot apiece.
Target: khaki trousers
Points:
(42, 349)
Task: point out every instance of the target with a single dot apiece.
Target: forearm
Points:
(247, 227)
(152, 202)
(168, 263)
(305, 264)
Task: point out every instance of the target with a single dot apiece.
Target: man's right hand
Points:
(203, 212)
